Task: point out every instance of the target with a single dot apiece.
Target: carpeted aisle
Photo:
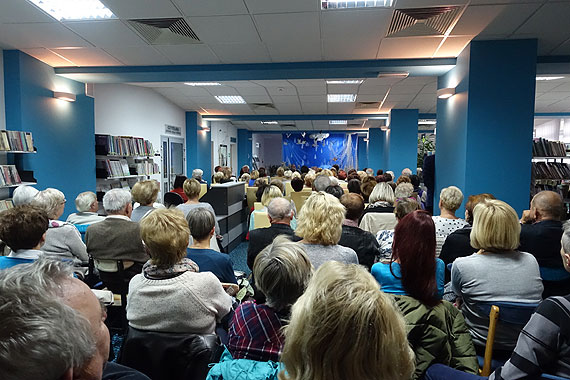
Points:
(239, 258)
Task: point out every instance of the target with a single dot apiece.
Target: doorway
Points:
(173, 153)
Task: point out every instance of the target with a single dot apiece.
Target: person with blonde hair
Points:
(171, 285)
(192, 190)
(450, 200)
(343, 327)
(320, 227)
(145, 193)
(245, 177)
(381, 199)
(496, 272)
(254, 176)
(309, 179)
(269, 193)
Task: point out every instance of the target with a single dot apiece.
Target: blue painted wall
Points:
(362, 154)
(63, 132)
(244, 147)
(376, 149)
(198, 146)
(205, 153)
(403, 151)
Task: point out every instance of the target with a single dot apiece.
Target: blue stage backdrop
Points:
(338, 148)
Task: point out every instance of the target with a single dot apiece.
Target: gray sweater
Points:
(116, 239)
(502, 277)
(185, 208)
(63, 241)
(319, 254)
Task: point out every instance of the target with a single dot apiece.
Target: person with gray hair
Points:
(63, 240)
(24, 194)
(117, 238)
(202, 226)
(321, 182)
(87, 207)
(197, 175)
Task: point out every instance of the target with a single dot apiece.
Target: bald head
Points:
(279, 210)
(547, 205)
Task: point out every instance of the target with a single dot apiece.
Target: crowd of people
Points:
(359, 280)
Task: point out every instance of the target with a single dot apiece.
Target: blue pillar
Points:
(244, 148)
(376, 149)
(362, 153)
(484, 131)
(403, 151)
(192, 128)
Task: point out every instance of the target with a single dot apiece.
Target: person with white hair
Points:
(321, 182)
(24, 194)
(87, 207)
(407, 172)
(63, 240)
(450, 199)
(197, 175)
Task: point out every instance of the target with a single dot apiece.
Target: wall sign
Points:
(172, 130)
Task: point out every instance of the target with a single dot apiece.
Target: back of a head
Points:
(309, 180)
(415, 180)
(262, 172)
(49, 200)
(565, 242)
(451, 198)
(297, 184)
(22, 227)
(382, 192)
(369, 171)
(270, 192)
(414, 245)
(362, 332)
(496, 227)
(354, 204)
(145, 192)
(115, 200)
(403, 179)
(288, 174)
(320, 219)
(254, 174)
(549, 204)
(474, 200)
(304, 169)
(321, 182)
(166, 234)
(245, 177)
(201, 221)
(192, 188)
(279, 184)
(335, 191)
(197, 174)
(24, 194)
(279, 209)
(367, 187)
(403, 190)
(353, 186)
(280, 171)
(218, 177)
(282, 271)
(379, 172)
(179, 181)
(42, 337)
(404, 206)
(84, 201)
(407, 172)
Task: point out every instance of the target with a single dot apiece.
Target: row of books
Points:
(112, 168)
(6, 204)
(9, 175)
(144, 167)
(122, 146)
(544, 148)
(16, 141)
(550, 170)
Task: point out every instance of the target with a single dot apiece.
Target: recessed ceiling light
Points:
(230, 99)
(548, 78)
(341, 98)
(196, 84)
(337, 122)
(270, 122)
(75, 9)
(339, 4)
(350, 81)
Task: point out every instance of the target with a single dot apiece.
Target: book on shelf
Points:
(108, 145)
(550, 170)
(6, 204)
(112, 168)
(16, 141)
(544, 148)
(9, 175)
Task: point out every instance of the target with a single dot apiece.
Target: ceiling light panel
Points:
(337, 122)
(230, 99)
(359, 81)
(339, 4)
(202, 84)
(548, 78)
(341, 98)
(66, 10)
(270, 122)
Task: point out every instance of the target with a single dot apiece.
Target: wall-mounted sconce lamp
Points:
(444, 93)
(67, 96)
(384, 128)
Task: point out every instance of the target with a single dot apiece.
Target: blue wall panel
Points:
(362, 154)
(376, 149)
(198, 147)
(244, 146)
(403, 151)
(205, 153)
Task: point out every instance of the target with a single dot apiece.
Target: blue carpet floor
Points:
(239, 258)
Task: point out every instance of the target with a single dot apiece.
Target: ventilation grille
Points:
(262, 106)
(433, 21)
(165, 31)
(367, 105)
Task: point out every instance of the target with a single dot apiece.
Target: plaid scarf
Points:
(154, 272)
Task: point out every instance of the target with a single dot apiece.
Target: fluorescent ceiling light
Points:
(341, 98)
(230, 99)
(393, 75)
(339, 4)
(337, 122)
(430, 122)
(75, 9)
(548, 78)
(350, 81)
(270, 122)
(196, 84)
(444, 93)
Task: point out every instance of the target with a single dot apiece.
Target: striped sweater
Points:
(543, 344)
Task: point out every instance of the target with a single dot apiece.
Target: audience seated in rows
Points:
(63, 240)
(178, 186)
(385, 238)
(53, 327)
(192, 190)
(450, 199)
(23, 229)
(320, 227)
(24, 194)
(87, 207)
(362, 242)
(145, 193)
(171, 285)
(497, 272)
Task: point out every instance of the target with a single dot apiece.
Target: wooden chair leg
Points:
(493, 318)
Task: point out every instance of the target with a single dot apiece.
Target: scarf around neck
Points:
(154, 272)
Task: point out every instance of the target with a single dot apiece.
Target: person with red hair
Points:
(413, 269)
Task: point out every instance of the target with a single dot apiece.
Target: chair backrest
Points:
(203, 189)
(166, 356)
(260, 220)
(299, 198)
(258, 206)
(250, 195)
(172, 199)
(376, 221)
(288, 187)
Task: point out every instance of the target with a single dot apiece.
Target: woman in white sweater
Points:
(170, 295)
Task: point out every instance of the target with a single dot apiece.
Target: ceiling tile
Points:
(138, 55)
(294, 51)
(475, 19)
(563, 49)
(53, 35)
(306, 90)
(252, 91)
(564, 87)
(342, 88)
(106, 33)
(426, 3)
(212, 7)
(314, 108)
(408, 47)
(405, 90)
(131, 9)
(288, 27)
(370, 98)
(289, 108)
(307, 82)
(188, 54)
(340, 107)
(225, 29)
(280, 6)
(347, 50)
(452, 46)
(88, 57)
(312, 98)
(545, 24)
(356, 25)
(552, 96)
(195, 91)
(240, 109)
(18, 11)
(282, 91)
(253, 52)
(285, 98)
(257, 98)
(373, 90)
(400, 97)
(545, 86)
(221, 90)
(510, 18)
(47, 57)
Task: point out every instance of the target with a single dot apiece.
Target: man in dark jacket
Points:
(363, 242)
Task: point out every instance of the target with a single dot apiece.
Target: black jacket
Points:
(262, 237)
(363, 242)
(457, 244)
(542, 240)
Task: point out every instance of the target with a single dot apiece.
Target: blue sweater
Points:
(391, 284)
(218, 263)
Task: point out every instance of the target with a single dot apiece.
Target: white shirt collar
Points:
(124, 217)
(26, 254)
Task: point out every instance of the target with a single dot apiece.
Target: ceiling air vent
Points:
(165, 31)
(433, 21)
(262, 106)
(288, 126)
(367, 105)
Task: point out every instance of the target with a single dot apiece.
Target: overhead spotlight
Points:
(445, 93)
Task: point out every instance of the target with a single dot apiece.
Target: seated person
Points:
(201, 223)
(117, 238)
(145, 194)
(269, 193)
(335, 190)
(23, 229)
(87, 207)
(170, 284)
(197, 174)
(63, 240)
(385, 238)
(282, 271)
(342, 327)
(496, 272)
(353, 186)
(321, 182)
(192, 190)
(413, 267)
(381, 199)
(24, 194)
(362, 242)
(297, 184)
(450, 200)
(177, 187)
